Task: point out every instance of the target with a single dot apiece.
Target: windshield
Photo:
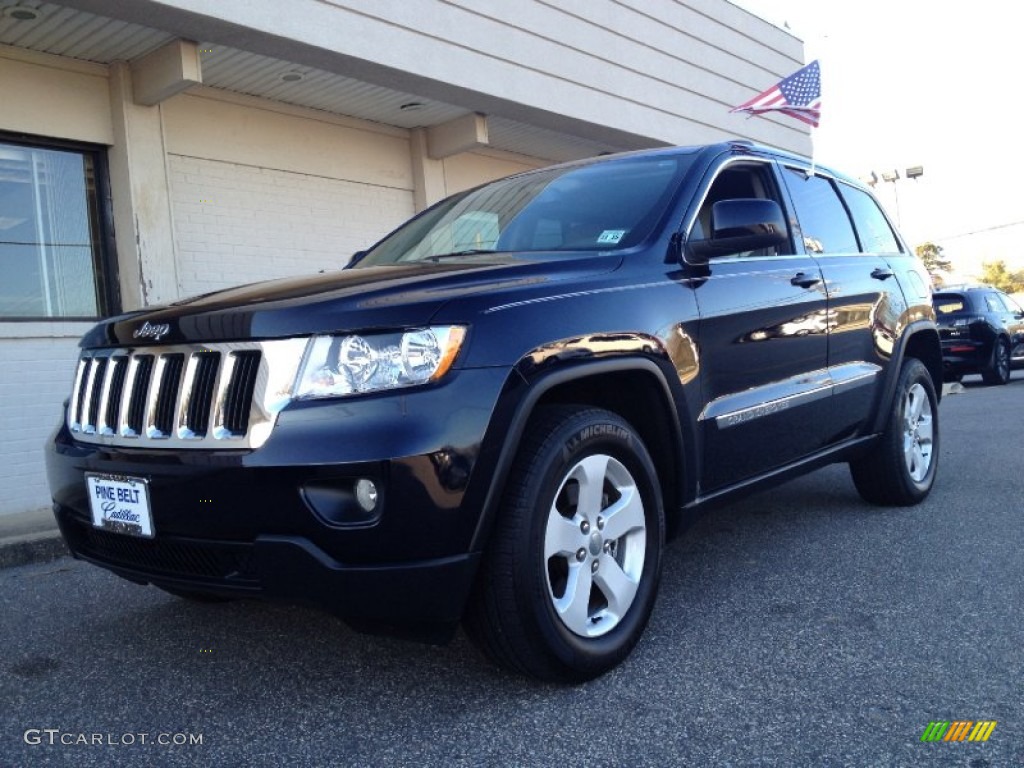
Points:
(612, 204)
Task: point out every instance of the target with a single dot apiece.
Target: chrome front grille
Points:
(213, 396)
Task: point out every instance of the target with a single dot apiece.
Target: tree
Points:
(931, 255)
(996, 274)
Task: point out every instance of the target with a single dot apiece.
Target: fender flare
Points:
(524, 409)
(888, 390)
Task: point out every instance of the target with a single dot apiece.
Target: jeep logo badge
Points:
(152, 331)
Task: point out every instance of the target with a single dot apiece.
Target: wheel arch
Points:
(919, 340)
(633, 388)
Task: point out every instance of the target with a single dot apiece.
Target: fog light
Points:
(366, 494)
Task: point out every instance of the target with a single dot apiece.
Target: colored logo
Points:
(958, 730)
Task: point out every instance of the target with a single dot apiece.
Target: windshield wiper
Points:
(454, 254)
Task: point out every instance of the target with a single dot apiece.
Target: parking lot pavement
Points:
(798, 627)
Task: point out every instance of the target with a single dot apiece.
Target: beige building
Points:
(151, 150)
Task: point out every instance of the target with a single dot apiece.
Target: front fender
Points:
(530, 385)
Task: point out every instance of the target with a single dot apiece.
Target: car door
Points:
(865, 301)
(763, 345)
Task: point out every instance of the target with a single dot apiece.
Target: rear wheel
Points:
(998, 369)
(900, 469)
(570, 577)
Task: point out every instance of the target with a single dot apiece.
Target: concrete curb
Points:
(31, 548)
(30, 537)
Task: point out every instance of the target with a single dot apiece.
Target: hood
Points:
(387, 297)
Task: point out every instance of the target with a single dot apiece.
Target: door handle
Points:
(803, 280)
(881, 273)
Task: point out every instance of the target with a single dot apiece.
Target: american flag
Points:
(799, 96)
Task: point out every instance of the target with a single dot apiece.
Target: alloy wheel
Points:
(594, 545)
(918, 434)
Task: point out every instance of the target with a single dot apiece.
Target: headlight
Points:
(351, 365)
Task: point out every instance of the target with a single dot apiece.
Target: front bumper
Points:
(405, 596)
(277, 522)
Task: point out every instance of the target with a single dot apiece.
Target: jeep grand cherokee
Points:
(492, 414)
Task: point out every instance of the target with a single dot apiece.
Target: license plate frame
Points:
(120, 504)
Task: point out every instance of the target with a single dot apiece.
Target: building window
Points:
(54, 248)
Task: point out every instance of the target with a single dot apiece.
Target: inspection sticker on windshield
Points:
(611, 236)
(120, 504)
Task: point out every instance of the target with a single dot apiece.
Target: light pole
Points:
(914, 172)
(892, 177)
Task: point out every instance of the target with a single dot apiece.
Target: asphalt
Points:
(33, 537)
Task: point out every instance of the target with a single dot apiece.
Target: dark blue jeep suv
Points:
(492, 415)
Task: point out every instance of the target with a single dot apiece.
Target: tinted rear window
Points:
(950, 303)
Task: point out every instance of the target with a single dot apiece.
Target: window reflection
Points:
(824, 222)
(49, 246)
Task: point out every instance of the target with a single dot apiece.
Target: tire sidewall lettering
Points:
(596, 432)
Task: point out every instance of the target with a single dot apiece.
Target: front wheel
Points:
(569, 579)
(998, 369)
(900, 469)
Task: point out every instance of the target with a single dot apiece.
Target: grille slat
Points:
(240, 388)
(166, 404)
(113, 410)
(200, 399)
(180, 395)
(77, 415)
(136, 420)
(95, 393)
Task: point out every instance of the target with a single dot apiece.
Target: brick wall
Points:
(35, 378)
(237, 224)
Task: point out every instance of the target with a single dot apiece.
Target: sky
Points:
(908, 83)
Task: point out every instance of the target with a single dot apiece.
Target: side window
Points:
(738, 182)
(53, 254)
(1011, 306)
(823, 219)
(994, 304)
(876, 236)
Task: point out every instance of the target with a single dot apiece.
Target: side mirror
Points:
(741, 225)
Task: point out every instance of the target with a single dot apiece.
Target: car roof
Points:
(964, 287)
(733, 146)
